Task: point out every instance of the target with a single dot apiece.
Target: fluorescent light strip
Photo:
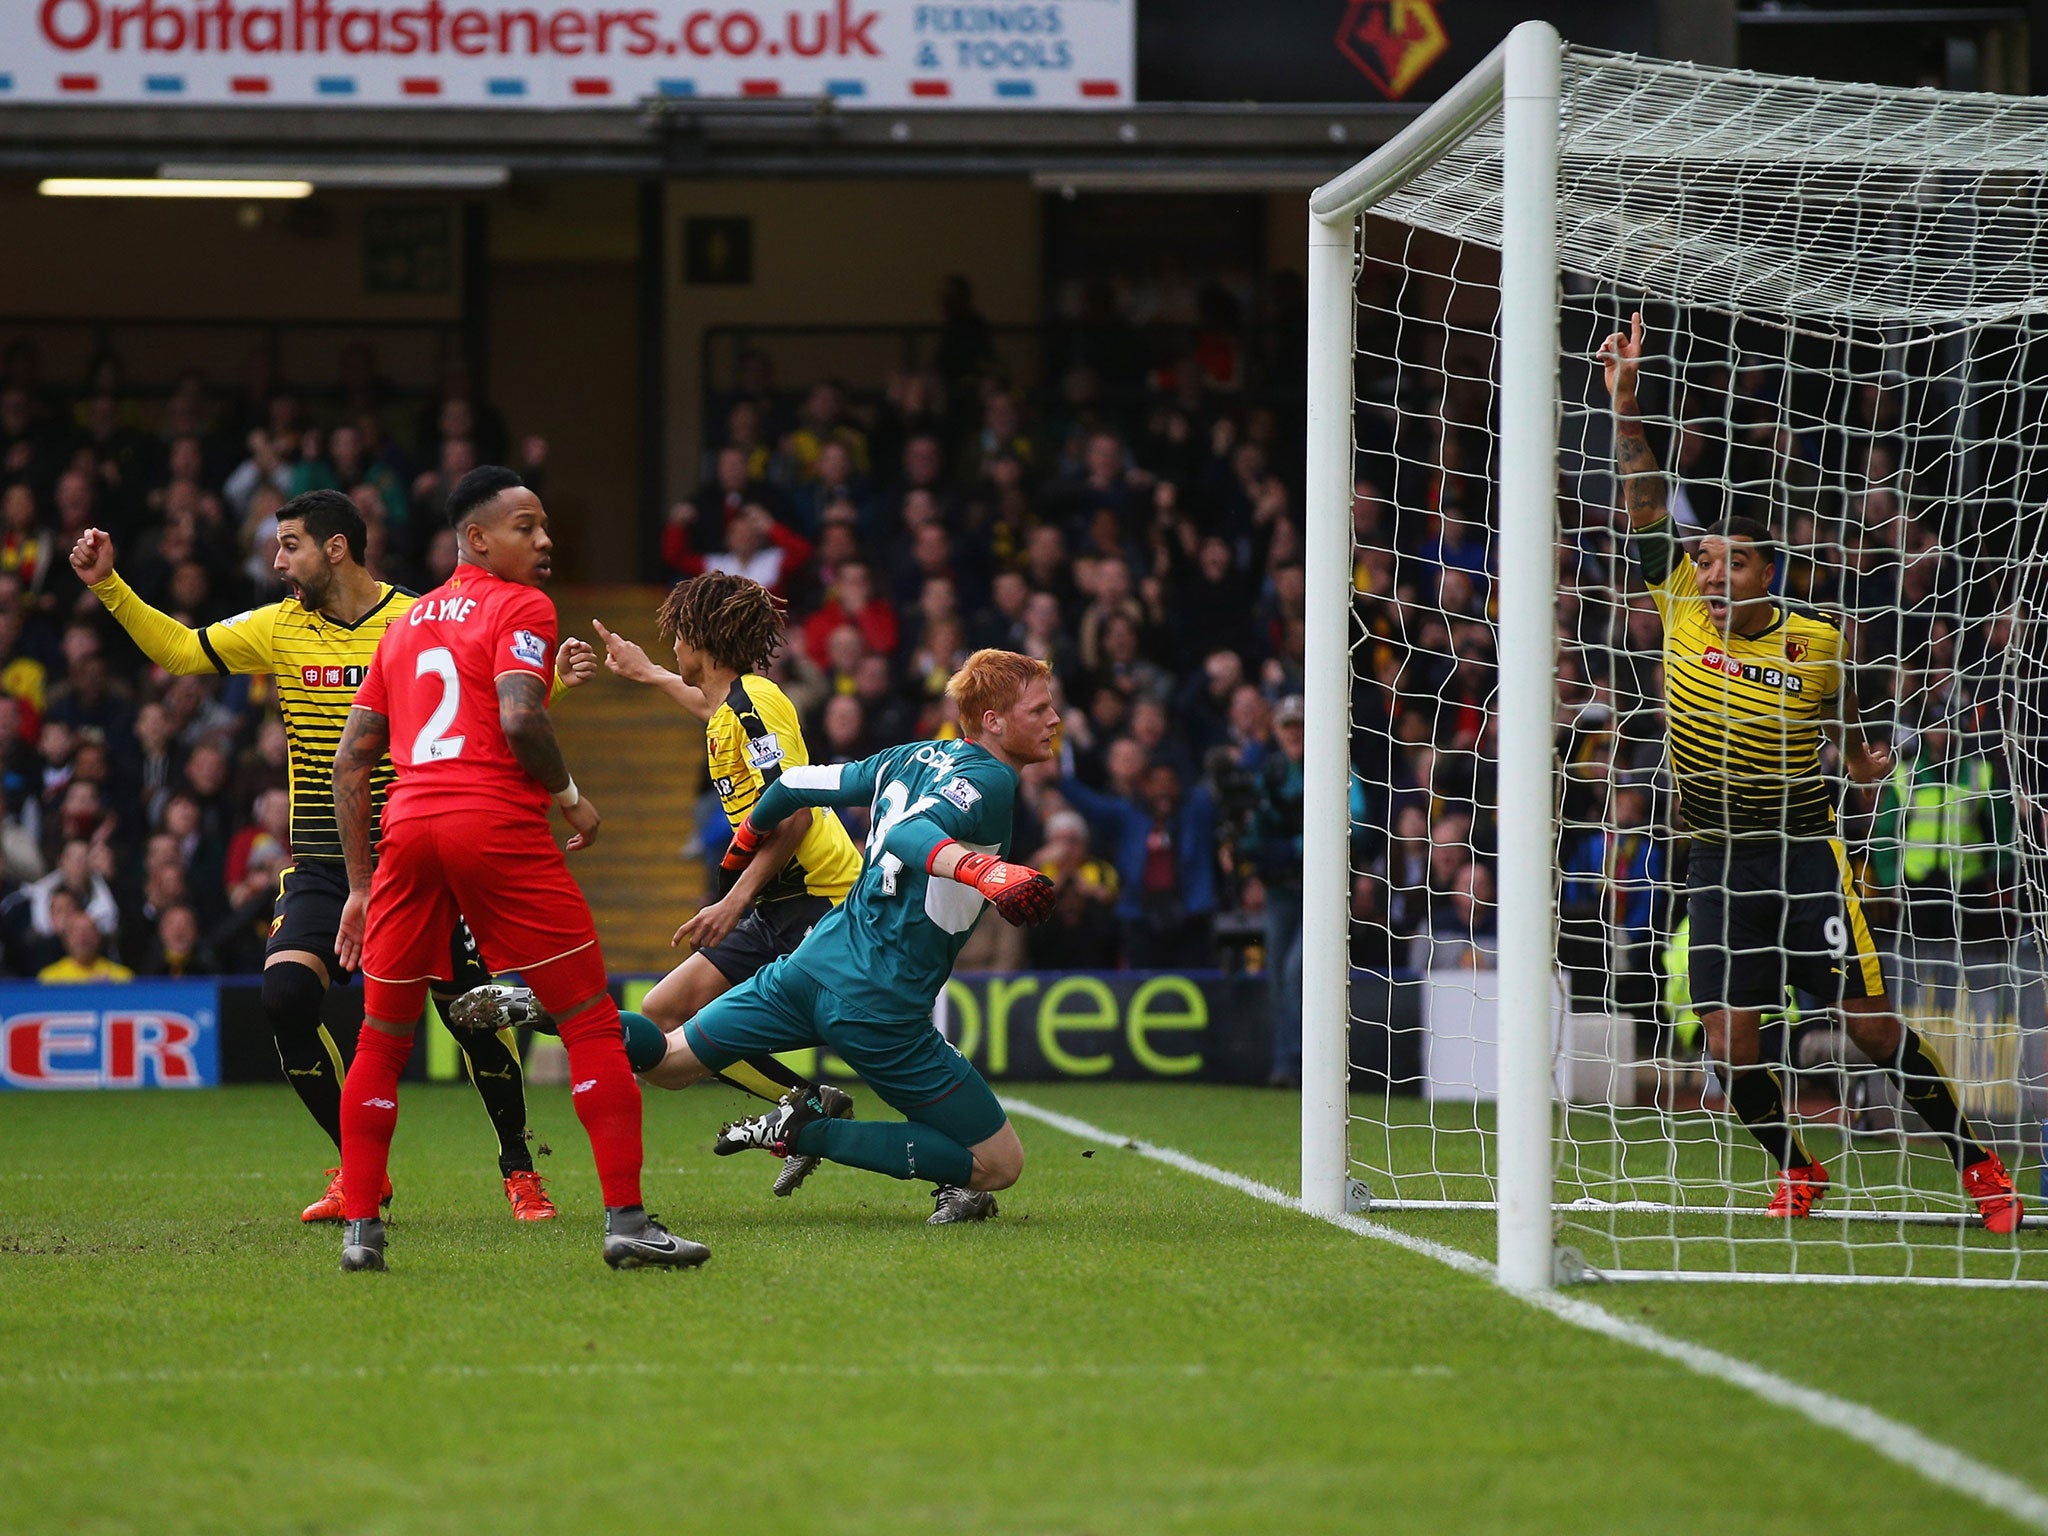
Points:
(135, 186)
(430, 176)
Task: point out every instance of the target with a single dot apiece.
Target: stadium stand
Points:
(1135, 522)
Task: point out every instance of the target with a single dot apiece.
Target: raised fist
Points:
(93, 556)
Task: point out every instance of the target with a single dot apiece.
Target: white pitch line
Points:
(1901, 1443)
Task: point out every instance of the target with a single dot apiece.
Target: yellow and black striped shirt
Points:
(1745, 712)
(317, 663)
(749, 740)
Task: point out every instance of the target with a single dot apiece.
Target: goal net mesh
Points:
(1843, 291)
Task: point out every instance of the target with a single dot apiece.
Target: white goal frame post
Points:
(1518, 85)
(1519, 79)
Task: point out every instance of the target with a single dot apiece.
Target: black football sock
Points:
(764, 1077)
(292, 994)
(1756, 1095)
(494, 1068)
(1925, 1084)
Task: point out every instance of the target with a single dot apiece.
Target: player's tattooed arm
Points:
(1621, 361)
(1642, 481)
(523, 715)
(365, 742)
(523, 712)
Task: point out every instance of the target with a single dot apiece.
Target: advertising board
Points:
(145, 1034)
(889, 54)
(1081, 1026)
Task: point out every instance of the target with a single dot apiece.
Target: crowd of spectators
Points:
(1143, 539)
(146, 816)
(1136, 525)
(1876, 529)
(1144, 542)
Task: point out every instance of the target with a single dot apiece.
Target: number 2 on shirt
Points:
(432, 745)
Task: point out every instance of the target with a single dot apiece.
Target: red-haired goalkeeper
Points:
(864, 981)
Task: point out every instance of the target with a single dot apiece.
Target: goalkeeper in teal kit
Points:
(863, 982)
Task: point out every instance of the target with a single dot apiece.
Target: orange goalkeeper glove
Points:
(1019, 892)
(739, 853)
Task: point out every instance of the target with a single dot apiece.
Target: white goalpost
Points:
(1846, 297)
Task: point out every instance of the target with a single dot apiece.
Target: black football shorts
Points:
(310, 896)
(1768, 913)
(766, 933)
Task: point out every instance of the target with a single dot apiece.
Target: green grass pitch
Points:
(1127, 1349)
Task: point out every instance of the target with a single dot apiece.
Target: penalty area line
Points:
(1931, 1459)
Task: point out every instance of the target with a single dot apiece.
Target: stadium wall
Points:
(838, 251)
(171, 259)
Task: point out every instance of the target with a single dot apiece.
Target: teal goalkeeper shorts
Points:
(911, 1068)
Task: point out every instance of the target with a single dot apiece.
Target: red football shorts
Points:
(507, 879)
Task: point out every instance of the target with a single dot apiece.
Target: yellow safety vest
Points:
(1941, 827)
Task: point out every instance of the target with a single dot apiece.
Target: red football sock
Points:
(369, 1114)
(607, 1099)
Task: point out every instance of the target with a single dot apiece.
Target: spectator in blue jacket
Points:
(1164, 844)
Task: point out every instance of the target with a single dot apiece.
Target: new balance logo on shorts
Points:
(585, 1086)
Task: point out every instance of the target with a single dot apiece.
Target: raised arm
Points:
(1643, 489)
(161, 638)
(625, 659)
(523, 713)
(365, 741)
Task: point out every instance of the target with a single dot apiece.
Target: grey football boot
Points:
(798, 1166)
(951, 1203)
(633, 1239)
(362, 1244)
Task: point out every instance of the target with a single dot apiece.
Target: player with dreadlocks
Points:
(725, 629)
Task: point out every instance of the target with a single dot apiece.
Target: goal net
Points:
(1843, 293)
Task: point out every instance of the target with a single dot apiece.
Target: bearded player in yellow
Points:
(725, 629)
(1750, 684)
(316, 643)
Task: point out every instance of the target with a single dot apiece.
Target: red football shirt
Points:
(435, 678)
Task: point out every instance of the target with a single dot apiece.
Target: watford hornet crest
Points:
(1392, 42)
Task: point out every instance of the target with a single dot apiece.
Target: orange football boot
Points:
(328, 1206)
(1987, 1183)
(529, 1197)
(1799, 1188)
